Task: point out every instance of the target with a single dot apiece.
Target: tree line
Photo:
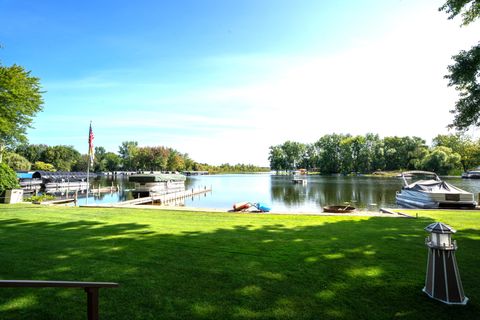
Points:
(344, 153)
(130, 157)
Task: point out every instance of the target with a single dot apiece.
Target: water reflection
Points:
(320, 191)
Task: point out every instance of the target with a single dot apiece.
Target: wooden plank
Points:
(55, 284)
(395, 212)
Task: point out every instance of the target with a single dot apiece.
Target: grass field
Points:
(195, 265)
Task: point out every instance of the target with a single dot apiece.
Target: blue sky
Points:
(224, 80)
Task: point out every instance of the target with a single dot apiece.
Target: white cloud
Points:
(391, 86)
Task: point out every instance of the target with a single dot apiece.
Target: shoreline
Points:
(362, 213)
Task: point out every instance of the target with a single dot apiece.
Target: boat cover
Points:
(62, 175)
(143, 178)
(434, 186)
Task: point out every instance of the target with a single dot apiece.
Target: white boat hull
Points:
(66, 185)
(418, 199)
(157, 188)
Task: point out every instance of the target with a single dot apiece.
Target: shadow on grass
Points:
(345, 269)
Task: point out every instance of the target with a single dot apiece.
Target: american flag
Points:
(91, 153)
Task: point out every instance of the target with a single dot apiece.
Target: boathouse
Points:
(58, 176)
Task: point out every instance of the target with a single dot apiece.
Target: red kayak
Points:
(241, 206)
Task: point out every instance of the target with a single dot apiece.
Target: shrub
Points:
(40, 198)
(17, 162)
(8, 179)
(42, 166)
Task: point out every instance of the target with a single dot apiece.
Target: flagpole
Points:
(88, 163)
(88, 175)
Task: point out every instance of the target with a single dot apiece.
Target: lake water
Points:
(281, 194)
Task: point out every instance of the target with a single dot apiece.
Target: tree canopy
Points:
(20, 99)
(464, 74)
(63, 158)
(469, 9)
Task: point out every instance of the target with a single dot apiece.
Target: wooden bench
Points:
(91, 288)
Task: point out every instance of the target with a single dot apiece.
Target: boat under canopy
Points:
(432, 193)
(154, 184)
(62, 176)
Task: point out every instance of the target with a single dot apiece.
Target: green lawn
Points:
(194, 265)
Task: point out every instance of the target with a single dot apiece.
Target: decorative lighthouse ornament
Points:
(443, 278)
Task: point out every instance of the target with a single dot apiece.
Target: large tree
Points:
(277, 158)
(468, 149)
(33, 152)
(112, 161)
(63, 158)
(329, 153)
(294, 153)
(464, 74)
(128, 151)
(441, 160)
(20, 99)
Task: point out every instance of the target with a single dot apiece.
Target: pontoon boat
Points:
(432, 193)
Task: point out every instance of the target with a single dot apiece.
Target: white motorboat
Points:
(432, 193)
(473, 174)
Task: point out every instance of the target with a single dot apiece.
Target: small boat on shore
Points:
(262, 207)
(339, 209)
(432, 193)
(247, 206)
(239, 206)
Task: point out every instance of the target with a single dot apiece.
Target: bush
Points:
(8, 179)
(42, 166)
(40, 198)
(17, 162)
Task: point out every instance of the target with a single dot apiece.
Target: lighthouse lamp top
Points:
(438, 227)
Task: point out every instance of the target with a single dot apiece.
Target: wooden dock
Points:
(104, 189)
(164, 199)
